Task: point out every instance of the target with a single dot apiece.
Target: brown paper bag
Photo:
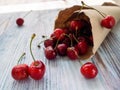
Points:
(91, 16)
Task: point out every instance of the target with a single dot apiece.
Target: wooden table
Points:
(62, 73)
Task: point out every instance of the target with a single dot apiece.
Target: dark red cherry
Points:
(20, 21)
(59, 33)
(50, 53)
(49, 42)
(62, 49)
(82, 47)
(76, 25)
(72, 53)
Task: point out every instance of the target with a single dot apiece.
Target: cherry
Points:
(20, 71)
(72, 53)
(108, 22)
(20, 21)
(62, 49)
(37, 68)
(49, 42)
(82, 47)
(89, 70)
(58, 33)
(50, 53)
(76, 24)
(66, 41)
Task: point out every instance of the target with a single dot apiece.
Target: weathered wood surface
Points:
(62, 73)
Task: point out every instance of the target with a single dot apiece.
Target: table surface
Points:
(62, 73)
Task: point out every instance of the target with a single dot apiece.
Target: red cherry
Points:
(89, 70)
(59, 33)
(108, 22)
(72, 53)
(62, 49)
(82, 47)
(49, 42)
(20, 72)
(20, 21)
(50, 53)
(76, 25)
(37, 70)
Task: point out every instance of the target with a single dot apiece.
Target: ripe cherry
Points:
(20, 71)
(20, 21)
(72, 53)
(82, 47)
(37, 68)
(108, 22)
(62, 49)
(89, 70)
(59, 33)
(76, 24)
(49, 42)
(50, 53)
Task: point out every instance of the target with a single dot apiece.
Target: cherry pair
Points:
(36, 70)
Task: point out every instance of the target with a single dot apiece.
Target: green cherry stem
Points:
(70, 39)
(75, 39)
(60, 37)
(58, 40)
(20, 58)
(27, 13)
(101, 13)
(33, 36)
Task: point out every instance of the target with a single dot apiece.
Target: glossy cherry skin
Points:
(49, 42)
(20, 21)
(20, 72)
(72, 53)
(108, 22)
(37, 70)
(82, 47)
(59, 33)
(89, 70)
(62, 49)
(76, 25)
(50, 53)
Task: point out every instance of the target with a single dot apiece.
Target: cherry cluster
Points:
(72, 42)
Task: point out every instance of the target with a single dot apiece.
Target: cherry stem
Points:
(75, 39)
(21, 58)
(27, 13)
(80, 62)
(58, 40)
(60, 37)
(101, 13)
(33, 36)
(70, 39)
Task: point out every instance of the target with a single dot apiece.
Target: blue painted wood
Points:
(61, 74)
